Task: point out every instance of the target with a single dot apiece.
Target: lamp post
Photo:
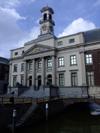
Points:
(14, 121)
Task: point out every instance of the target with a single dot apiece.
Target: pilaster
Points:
(83, 69)
(33, 72)
(43, 72)
(53, 70)
(25, 73)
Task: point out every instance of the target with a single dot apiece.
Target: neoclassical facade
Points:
(61, 61)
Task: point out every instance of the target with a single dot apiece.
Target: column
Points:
(43, 75)
(25, 73)
(83, 70)
(33, 72)
(53, 70)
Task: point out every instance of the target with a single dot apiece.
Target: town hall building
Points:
(67, 62)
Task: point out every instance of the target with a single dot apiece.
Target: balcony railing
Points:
(41, 21)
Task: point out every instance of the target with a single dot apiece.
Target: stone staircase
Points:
(24, 118)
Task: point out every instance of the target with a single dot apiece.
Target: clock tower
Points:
(47, 24)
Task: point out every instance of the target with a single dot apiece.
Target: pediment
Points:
(38, 48)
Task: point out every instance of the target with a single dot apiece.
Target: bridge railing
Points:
(23, 100)
(69, 96)
(94, 96)
(16, 100)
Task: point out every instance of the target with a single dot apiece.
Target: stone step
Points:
(24, 117)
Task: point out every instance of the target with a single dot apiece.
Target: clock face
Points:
(44, 27)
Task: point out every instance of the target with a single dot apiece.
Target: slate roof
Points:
(92, 35)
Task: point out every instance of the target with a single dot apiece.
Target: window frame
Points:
(73, 61)
(49, 63)
(59, 43)
(74, 79)
(22, 67)
(61, 79)
(89, 60)
(72, 40)
(22, 79)
(90, 78)
(22, 52)
(60, 61)
(6, 76)
(16, 53)
(15, 67)
(14, 81)
(39, 64)
(30, 65)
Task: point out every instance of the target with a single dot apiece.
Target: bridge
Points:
(56, 104)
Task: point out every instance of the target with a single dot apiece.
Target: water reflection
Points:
(75, 119)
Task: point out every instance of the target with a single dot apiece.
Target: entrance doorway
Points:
(39, 81)
(5, 88)
(30, 81)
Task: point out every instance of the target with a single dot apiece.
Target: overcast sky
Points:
(19, 20)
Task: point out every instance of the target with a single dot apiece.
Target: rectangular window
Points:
(39, 64)
(61, 79)
(30, 65)
(6, 76)
(23, 52)
(49, 63)
(74, 79)
(14, 81)
(15, 68)
(71, 40)
(22, 79)
(22, 67)
(60, 43)
(73, 60)
(88, 58)
(6, 68)
(90, 78)
(61, 61)
(16, 53)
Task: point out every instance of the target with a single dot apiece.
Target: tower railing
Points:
(50, 20)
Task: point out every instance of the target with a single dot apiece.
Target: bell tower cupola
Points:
(47, 24)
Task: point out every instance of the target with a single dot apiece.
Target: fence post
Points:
(14, 121)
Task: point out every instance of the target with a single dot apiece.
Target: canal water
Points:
(77, 118)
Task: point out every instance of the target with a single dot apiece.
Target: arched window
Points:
(49, 79)
(45, 16)
(50, 17)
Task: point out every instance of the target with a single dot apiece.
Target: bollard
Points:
(14, 121)
(46, 111)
